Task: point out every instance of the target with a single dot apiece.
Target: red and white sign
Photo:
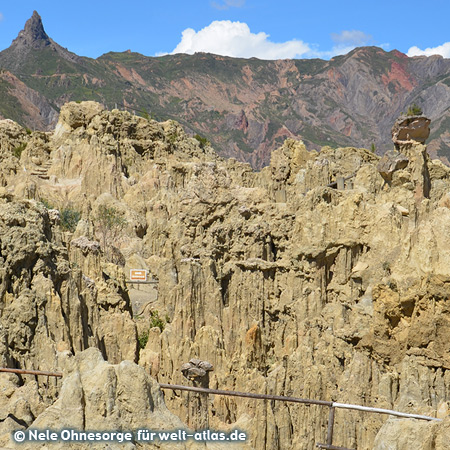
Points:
(138, 275)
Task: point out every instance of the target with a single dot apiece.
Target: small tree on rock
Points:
(109, 223)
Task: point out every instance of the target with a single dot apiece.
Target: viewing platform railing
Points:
(331, 405)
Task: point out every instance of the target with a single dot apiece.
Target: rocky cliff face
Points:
(245, 107)
(96, 395)
(318, 277)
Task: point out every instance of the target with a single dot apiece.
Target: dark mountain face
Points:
(33, 43)
(33, 35)
(245, 107)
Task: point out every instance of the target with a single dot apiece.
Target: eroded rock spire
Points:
(33, 35)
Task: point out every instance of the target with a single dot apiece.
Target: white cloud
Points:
(235, 39)
(345, 42)
(226, 4)
(351, 38)
(443, 50)
(1, 16)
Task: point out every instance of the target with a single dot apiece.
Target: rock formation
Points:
(410, 130)
(196, 369)
(285, 280)
(409, 433)
(100, 397)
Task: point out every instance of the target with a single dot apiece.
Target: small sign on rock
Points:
(138, 275)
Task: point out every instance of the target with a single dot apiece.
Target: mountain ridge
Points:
(245, 107)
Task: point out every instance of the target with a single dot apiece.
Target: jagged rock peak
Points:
(33, 37)
(410, 130)
(33, 34)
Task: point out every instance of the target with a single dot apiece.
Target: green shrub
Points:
(143, 339)
(156, 321)
(69, 219)
(17, 151)
(173, 137)
(46, 203)
(145, 114)
(28, 131)
(202, 140)
(414, 110)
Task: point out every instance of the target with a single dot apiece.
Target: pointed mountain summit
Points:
(33, 35)
(32, 47)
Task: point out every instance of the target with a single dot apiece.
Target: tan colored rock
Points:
(407, 433)
(397, 434)
(390, 162)
(285, 284)
(410, 130)
(74, 115)
(49, 306)
(99, 396)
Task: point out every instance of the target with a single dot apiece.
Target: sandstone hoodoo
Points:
(196, 369)
(410, 130)
(324, 276)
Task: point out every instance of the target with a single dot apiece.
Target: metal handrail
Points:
(332, 405)
(31, 372)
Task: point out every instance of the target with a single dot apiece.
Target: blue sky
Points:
(266, 29)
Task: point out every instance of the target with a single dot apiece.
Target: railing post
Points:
(330, 426)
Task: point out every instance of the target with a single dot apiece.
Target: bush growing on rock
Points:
(202, 140)
(109, 223)
(19, 149)
(69, 219)
(68, 216)
(414, 110)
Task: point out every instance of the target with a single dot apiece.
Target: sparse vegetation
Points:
(69, 219)
(414, 110)
(109, 223)
(143, 339)
(373, 148)
(173, 137)
(202, 140)
(46, 203)
(145, 114)
(17, 151)
(68, 216)
(155, 322)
